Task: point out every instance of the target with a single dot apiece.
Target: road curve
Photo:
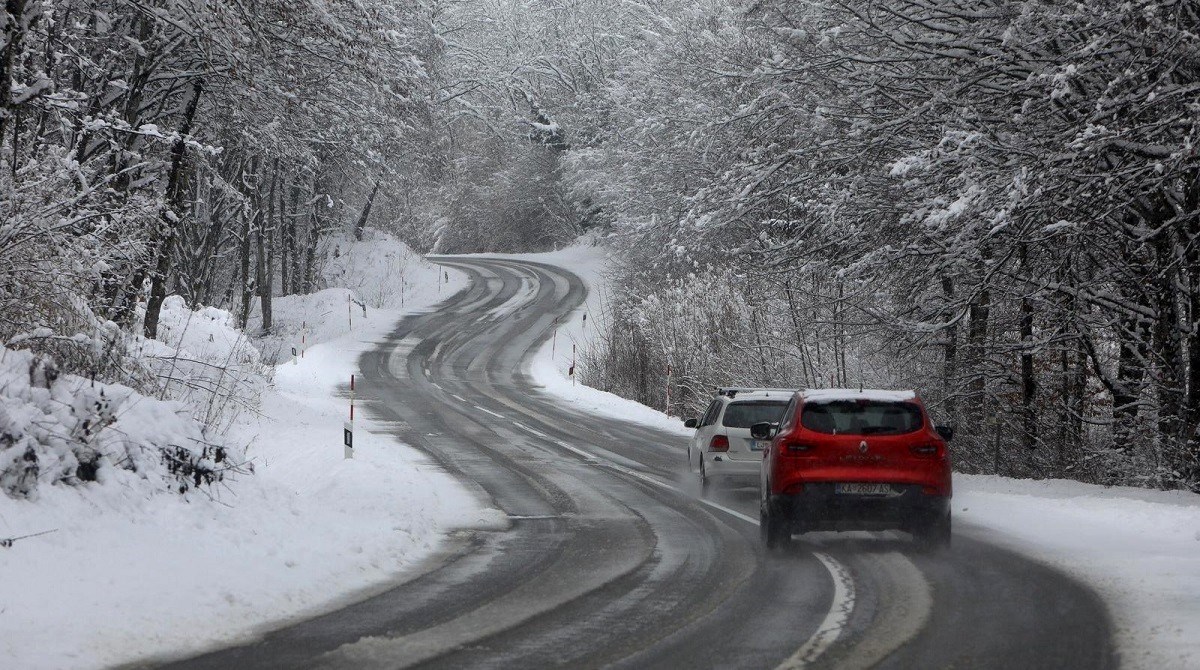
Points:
(613, 558)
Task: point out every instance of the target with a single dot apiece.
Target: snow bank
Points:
(58, 429)
(301, 321)
(1139, 549)
(202, 359)
(127, 576)
(382, 270)
(379, 272)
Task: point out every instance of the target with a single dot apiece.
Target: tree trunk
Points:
(1064, 422)
(284, 237)
(950, 355)
(1168, 348)
(366, 213)
(208, 253)
(977, 330)
(310, 251)
(250, 223)
(1192, 333)
(291, 239)
(839, 335)
(1029, 423)
(14, 32)
(798, 333)
(169, 220)
(266, 266)
(1131, 372)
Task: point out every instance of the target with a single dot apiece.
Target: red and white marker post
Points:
(298, 354)
(348, 427)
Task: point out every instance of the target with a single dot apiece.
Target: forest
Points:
(995, 202)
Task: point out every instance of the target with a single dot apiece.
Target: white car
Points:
(722, 445)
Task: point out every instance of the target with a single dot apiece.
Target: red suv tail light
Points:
(719, 443)
(925, 449)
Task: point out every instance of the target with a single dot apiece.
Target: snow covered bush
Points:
(204, 361)
(64, 254)
(59, 428)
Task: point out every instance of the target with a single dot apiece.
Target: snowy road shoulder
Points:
(1139, 549)
(133, 575)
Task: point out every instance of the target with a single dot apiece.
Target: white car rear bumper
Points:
(729, 467)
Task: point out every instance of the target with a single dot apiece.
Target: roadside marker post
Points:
(295, 359)
(572, 370)
(349, 310)
(348, 427)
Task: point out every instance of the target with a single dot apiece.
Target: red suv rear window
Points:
(862, 417)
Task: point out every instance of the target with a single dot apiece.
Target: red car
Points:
(843, 459)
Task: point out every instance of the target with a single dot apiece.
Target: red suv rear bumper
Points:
(820, 507)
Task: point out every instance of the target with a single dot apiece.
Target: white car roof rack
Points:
(732, 391)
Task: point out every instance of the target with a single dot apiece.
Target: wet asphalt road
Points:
(613, 557)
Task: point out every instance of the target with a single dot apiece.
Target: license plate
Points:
(759, 445)
(864, 489)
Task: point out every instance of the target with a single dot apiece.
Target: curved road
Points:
(613, 558)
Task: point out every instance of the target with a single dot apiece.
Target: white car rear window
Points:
(746, 414)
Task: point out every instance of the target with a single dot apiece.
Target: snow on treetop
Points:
(831, 395)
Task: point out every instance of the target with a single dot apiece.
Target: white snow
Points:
(833, 395)
(1138, 549)
(201, 351)
(130, 574)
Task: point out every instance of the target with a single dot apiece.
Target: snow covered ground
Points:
(130, 573)
(1139, 549)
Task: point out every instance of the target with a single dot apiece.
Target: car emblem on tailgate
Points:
(862, 447)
